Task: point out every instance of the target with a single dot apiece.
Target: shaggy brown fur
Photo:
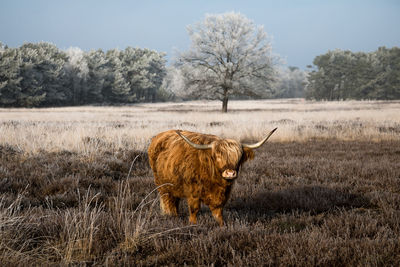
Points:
(200, 176)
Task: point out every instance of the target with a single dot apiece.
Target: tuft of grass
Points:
(78, 230)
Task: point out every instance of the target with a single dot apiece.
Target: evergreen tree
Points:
(97, 62)
(144, 70)
(117, 89)
(120, 88)
(156, 74)
(386, 83)
(42, 74)
(10, 79)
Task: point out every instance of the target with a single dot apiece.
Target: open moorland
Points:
(76, 187)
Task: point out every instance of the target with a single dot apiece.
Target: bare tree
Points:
(228, 56)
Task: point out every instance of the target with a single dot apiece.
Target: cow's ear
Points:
(248, 154)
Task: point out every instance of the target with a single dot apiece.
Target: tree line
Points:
(348, 75)
(229, 58)
(40, 74)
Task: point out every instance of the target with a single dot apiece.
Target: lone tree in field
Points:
(229, 56)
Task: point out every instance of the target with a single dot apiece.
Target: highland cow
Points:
(198, 167)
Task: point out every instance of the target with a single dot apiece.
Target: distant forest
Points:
(38, 75)
(347, 75)
(41, 75)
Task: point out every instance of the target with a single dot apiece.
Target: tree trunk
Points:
(225, 104)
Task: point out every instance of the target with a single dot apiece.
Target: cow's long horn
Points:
(257, 145)
(193, 144)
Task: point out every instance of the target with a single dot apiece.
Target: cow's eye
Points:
(219, 161)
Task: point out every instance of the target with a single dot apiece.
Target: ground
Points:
(76, 187)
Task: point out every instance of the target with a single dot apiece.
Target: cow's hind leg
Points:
(169, 204)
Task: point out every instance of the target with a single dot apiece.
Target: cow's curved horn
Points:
(257, 145)
(193, 144)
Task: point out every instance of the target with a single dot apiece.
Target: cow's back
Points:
(169, 154)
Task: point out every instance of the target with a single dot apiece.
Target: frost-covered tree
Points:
(173, 82)
(229, 56)
(77, 70)
(290, 82)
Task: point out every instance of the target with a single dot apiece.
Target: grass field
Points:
(76, 187)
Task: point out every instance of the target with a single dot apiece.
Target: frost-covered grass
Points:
(88, 129)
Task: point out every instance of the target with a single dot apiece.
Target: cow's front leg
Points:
(217, 213)
(194, 207)
(169, 204)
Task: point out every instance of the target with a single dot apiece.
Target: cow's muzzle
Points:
(229, 174)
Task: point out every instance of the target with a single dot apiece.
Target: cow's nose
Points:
(229, 174)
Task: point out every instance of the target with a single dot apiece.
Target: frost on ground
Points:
(89, 129)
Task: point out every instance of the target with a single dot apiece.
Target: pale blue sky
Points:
(301, 29)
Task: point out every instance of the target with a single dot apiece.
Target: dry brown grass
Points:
(321, 193)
